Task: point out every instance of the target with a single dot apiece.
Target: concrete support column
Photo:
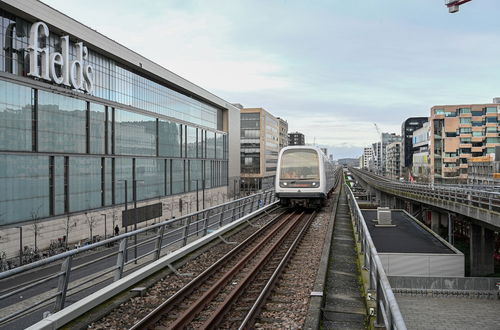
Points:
(482, 247)
(450, 229)
(378, 197)
(435, 220)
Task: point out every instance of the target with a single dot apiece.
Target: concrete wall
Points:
(233, 122)
(413, 264)
(79, 228)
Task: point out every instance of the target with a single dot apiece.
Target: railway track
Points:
(230, 293)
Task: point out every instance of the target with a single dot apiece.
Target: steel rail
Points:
(155, 315)
(266, 291)
(212, 217)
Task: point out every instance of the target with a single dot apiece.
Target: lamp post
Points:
(134, 194)
(126, 204)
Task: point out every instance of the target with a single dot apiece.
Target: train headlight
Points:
(284, 183)
(314, 183)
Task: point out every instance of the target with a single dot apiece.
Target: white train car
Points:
(304, 176)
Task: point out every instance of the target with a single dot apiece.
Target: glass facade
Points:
(113, 81)
(71, 153)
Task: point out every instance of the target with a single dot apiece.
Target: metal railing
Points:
(387, 311)
(71, 273)
(482, 197)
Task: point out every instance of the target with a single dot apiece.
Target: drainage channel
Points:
(344, 305)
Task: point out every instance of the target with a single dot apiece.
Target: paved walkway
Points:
(420, 312)
(344, 307)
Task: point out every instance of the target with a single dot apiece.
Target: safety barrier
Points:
(387, 311)
(482, 197)
(154, 240)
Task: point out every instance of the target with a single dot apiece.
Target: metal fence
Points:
(482, 197)
(107, 261)
(387, 311)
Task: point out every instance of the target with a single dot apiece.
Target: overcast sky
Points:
(330, 68)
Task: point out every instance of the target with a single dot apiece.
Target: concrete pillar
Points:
(435, 220)
(450, 230)
(482, 247)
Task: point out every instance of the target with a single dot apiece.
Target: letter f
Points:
(34, 49)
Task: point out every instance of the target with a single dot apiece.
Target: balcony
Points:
(464, 165)
(465, 145)
(477, 139)
(477, 149)
(450, 159)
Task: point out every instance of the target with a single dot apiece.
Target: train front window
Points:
(299, 165)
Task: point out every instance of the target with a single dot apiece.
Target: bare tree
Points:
(91, 222)
(68, 226)
(36, 226)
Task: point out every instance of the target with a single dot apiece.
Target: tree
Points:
(36, 226)
(91, 222)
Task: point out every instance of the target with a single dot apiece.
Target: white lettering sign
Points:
(44, 65)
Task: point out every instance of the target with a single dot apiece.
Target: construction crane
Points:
(378, 129)
(453, 5)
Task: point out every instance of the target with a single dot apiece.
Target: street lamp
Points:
(134, 192)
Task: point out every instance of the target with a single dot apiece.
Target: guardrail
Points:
(478, 196)
(73, 276)
(387, 311)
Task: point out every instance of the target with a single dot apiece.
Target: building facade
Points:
(259, 149)
(484, 170)
(420, 163)
(407, 128)
(460, 132)
(283, 132)
(393, 160)
(366, 157)
(81, 116)
(296, 139)
(385, 140)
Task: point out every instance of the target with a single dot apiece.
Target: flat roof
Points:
(407, 237)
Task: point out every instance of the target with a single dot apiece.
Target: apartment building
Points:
(420, 169)
(407, 128)
(296, 139)
(393, 159)
(283, 132)
(457, 133)
(259, 148)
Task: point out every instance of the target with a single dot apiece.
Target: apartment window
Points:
(465, 140)
(465, 120)
(451, 134)
(450, 114)
(476, 134)
(492, 140)
(463, 110)
(491, 109)
(491, 129)
(477, 112)
(465, 130)
(439, 111)
(450, 154)
(491, 119)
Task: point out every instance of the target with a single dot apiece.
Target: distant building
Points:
(376, 160)
(484, 170)
(259, 148)
(366, 157)
(460, 132)
(386, 139)
(407, 128)
(393, 159)
(420, 159)
(296, 139)
(283, 133)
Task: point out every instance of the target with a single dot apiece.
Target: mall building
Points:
(84, 120)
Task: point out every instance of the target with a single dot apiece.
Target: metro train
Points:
(304, 177)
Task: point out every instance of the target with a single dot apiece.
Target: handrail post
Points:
(186, 231)
(120, 260)
(205, 222)
(62, 286)
(221, 218)
(380, 318)
(159, 240)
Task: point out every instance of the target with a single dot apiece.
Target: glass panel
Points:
(59, 185)
(15, 117)
(123, 171)
(152, 172)
(191, 142)
(108, 181)
(24, 188)
(97, 126)
(195, 169)
(219, 146)
(61, 123)
(84, 183)
(177, 176)
(169, 138)
(135, 134)
(211, 145)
